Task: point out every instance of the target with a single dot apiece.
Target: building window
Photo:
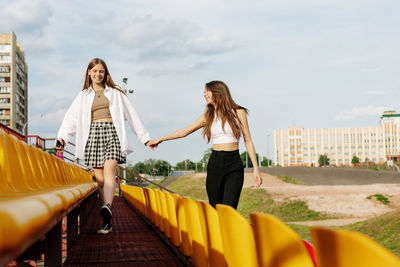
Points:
(4, 69)
(4, 112)
(5, 89)
(4, 100)
(5, 58)
(5, 48)
(5, 122)
(4, 79)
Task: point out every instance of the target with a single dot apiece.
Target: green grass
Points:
(290, 180)
(380, 198)
(251, 200)
(195, 188)
(383, 229)
(152, 186)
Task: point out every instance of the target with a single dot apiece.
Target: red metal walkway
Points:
(132, 242)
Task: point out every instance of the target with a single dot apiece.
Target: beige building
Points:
(13, 84)
(297, 146)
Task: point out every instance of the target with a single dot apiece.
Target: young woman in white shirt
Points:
(224, 122)
(97, 117)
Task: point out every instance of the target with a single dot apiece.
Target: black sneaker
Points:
(106, 213)
(105, 229)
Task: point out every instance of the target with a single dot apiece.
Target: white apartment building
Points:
(297, 146)
(13, 84)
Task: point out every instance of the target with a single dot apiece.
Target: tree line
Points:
(157, 167)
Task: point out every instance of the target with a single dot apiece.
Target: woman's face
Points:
(208, 96)
(97, 73)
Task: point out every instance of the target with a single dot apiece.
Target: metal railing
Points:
(11, 131)
(138, 179)
(70, 154)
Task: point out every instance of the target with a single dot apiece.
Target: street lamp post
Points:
(268, 149)
(125, 82)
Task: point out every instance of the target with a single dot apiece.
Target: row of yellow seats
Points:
(222, 237)
(34, 187)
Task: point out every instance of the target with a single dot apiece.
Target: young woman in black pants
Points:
(224, 122)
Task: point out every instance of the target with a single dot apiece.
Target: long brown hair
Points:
(108, 81)
(223, 107)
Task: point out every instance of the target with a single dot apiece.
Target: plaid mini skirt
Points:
(102, 144)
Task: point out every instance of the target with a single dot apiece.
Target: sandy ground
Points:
(347, 201)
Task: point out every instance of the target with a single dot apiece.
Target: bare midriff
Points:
(226, 146)
(103, 120)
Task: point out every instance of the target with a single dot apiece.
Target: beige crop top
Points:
(100, 106)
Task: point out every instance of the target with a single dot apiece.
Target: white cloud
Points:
(376, 92)
(158, 39)
(357, 112)
(372, 69)
(25, 16)
(210, 43)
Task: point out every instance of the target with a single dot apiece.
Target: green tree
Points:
(186, 165)
(355, 160)
(205, 158)
(266, 162)
(140, 167)
(323, 160)
(156, 167)
(153, 167)
(249, 163)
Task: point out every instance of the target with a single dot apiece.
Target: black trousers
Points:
(225, 175)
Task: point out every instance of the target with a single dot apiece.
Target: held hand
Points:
(153, 143)
(258, 179)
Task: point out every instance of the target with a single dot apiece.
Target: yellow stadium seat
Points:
(21, 219)
(166, 222)
(342, 248)
(154, 207)
(173, 224)
(211, 234)
(237, 238)
(148, 212)
(277, 244)
(35, 188)
(161, 211)
(185, 246)
(160, 215)
(198, 252)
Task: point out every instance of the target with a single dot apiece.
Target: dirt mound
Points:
(346, 201)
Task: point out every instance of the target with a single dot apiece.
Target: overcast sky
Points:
(307, 63)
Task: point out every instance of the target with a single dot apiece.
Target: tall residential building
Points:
(297, 146)
(13, 84)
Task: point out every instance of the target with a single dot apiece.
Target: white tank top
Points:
(218, 135)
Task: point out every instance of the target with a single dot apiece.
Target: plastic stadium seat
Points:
(198, 252)
(35, 188)
(21, 219)
(277, 244)
(237, 238)
(173, 224)
(162, 211)
(211, 234)
(165, 212)
(185, 244)
(341, 248)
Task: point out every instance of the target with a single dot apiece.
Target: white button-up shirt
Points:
(78, 118)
